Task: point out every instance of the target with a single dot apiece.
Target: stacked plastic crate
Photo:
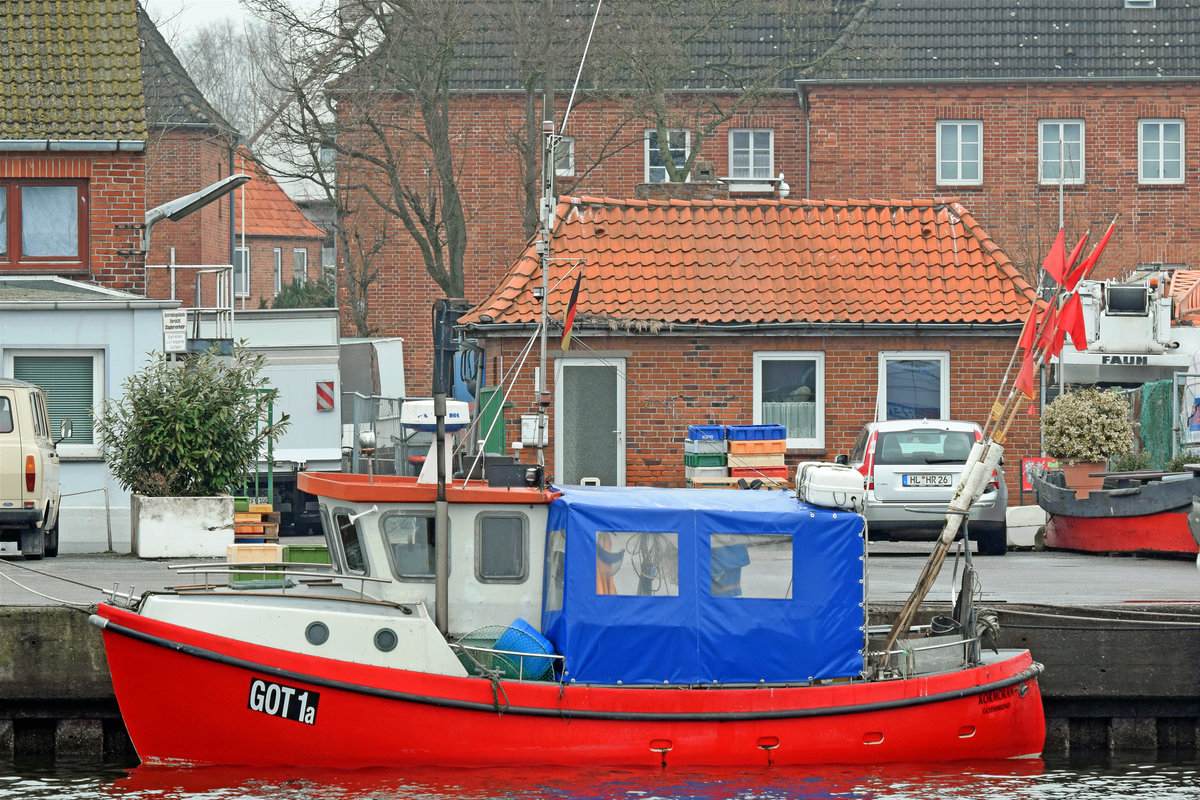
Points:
(704, 454)
(757, 451)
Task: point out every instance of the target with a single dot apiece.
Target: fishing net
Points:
(477, 652)
(1156, 422)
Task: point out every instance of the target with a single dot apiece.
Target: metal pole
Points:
(441, 523)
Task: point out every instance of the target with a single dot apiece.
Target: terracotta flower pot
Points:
(1079, 478)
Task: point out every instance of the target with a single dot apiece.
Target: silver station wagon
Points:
(911, 469)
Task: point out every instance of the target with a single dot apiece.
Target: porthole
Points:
(317, 633)
(385, 640)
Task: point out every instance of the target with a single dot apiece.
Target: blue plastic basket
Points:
(521, 637)
(750, 433)
(700, 432)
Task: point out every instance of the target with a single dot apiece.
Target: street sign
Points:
(174, 326)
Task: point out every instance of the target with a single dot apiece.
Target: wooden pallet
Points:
(257, 523)
(732, 483)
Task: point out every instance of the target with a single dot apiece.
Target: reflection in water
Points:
(991, 780)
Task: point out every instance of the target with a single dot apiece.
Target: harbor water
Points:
(1034, 779)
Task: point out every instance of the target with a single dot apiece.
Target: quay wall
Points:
(1121, 680)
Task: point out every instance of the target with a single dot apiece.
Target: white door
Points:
(589, 421)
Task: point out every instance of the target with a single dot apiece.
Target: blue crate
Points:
(701, 432)
(753, 433)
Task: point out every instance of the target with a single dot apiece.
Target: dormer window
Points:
(1140, 3)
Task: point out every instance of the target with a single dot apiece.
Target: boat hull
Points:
(1165, 533)
(192, 697)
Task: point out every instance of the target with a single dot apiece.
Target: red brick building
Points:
(820, 316)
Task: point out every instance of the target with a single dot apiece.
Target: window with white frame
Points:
(564, 157)
(73, 381)
(277, 268)
(241, 271)
(677, 143)
(789, 390)
(959, 152)
(300, 265)
(1160, 151)
(914, 385)
(751, 153)
(1060, 143)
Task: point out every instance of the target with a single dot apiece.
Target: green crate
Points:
(247, 574)
(704, 459)
(306, 554)
(241, 504)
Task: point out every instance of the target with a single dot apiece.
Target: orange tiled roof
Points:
(767, 261)
(269, 211)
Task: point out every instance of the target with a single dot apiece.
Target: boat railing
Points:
(923, 651)
(278, 575)
(499, 663)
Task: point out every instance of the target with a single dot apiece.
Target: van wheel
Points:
(52, 541)
(993, 541)
(33, 544)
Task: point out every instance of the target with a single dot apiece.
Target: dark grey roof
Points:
(1034, 39)
(171, 96)
(880, 40)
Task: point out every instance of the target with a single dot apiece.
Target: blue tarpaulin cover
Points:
(709, 625)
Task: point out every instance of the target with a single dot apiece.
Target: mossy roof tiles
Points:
(786, 262)
(70, 70)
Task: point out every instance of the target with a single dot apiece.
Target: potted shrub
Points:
(179, 439)
(1083, 429)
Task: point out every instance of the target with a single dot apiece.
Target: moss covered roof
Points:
(70, 69)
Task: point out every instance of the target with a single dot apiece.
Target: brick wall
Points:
(116, 185)
(879, 141)
(401, 297)
(180, 161)
(673, 382)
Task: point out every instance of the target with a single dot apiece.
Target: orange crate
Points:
(757, 446)
(759, 460)
(759, 472)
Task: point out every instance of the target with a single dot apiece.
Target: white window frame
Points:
(941, 356)
(1159, 122)
(300, 270)
(816, 442)
(564, 157)
(1050, 134)
(277, 257)
(751, 150)
(651, 145)
(65, 449)
(241, 271)
(957, 157)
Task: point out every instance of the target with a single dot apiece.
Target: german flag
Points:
(569, 315)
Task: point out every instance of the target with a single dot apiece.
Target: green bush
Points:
(310, 294)
(189, 430)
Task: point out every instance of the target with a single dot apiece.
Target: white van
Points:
(29, 491)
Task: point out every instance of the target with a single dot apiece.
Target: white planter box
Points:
(181, 527)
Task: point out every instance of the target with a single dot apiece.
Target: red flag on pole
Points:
(1024, 381)
(1056, 260)
(1047, 327)
(1028, 333)
(1071, 321)
(569, 315)
(1072, 274)
(1083, 270)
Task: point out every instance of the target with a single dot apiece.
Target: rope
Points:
(59, 600)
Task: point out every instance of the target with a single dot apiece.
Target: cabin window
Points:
(750, 565)
(350, 542)
(501, 548)
(556, 546)
(645, 564)
(789, 390)
(6, 416)
(410, 540)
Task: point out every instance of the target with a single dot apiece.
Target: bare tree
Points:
(691, 67)
(225, 60)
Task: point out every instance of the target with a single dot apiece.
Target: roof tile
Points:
(767, 262)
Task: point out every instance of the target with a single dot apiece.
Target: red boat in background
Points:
(347, 668)
(1143, 512)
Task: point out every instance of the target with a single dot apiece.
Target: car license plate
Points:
(928, 480)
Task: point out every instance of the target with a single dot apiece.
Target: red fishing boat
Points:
(1143, 512)
(663, 662)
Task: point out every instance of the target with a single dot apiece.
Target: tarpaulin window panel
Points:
(700, 636)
